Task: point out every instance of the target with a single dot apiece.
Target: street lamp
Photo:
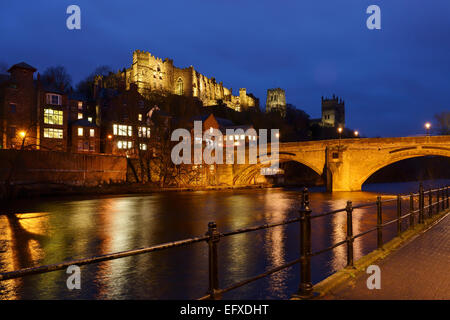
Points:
(22, 134)
(356, 133)
(428, 126)
(340, 133)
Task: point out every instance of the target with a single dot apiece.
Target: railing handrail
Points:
(213, 236)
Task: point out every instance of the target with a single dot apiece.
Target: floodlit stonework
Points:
(276, 101)
(151, 74)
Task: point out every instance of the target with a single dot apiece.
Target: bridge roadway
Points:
(347, 163)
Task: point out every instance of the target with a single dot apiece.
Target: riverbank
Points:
(53, 189)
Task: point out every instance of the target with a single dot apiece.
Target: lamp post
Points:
(427, 127)
(340, 134)
(356, 133)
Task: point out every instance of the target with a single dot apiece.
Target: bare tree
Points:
(443, 122)
(57, 77)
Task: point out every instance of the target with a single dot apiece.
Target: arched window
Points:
(179, 87)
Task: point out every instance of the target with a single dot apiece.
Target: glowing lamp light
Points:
(277, 135)
(22, 134)
(109, 136)
(340, 130)
(356, 133)
(427, 125)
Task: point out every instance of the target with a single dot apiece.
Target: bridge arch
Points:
(399, 155)
(250, 171)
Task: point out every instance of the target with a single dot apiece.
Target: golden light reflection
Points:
(21, 236)
(276, 208)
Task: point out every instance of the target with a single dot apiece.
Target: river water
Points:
(46, 231)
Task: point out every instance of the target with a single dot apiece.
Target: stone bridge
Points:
(346, 164)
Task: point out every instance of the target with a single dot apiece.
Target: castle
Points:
(333, 112)
(276, 101)
(150, 74)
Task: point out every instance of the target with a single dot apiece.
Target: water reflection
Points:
(49, 231)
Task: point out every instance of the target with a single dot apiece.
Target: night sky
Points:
(393, 80)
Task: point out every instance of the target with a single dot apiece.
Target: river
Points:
(46, 231)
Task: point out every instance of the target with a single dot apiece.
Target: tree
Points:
(443, 122)
(86, 86)
(58, 77)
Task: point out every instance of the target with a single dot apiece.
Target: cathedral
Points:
(150, 73)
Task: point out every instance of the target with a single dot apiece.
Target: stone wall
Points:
(29, 167)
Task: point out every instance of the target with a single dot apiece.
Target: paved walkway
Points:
(418, 270)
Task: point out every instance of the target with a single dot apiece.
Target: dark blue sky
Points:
(392, 80)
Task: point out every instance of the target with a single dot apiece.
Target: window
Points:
(90, 119)
(12, 132)
(80, 115)
(92, 132)
(140, 116)
(124, 144)
(52, 116)
(143, 146)
(54, 99)
(179, 87)
(80, 105)
(144, 132)
(122, 130)
(12, 107)
(92, 146)
(53, 133)
(80, 132)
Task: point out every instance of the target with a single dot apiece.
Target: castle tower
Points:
(276, 101)
(333, 112)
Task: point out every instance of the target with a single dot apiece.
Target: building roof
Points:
(22, 65)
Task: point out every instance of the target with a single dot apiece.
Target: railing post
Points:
(214, 237)
(446, 196)
(399, 215)
(443, 199)
(430, 203)
(349, 209)
(306, 287)
(421, 204)
(411, 210)
(379, 223)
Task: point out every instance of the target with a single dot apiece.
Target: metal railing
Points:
(213, 236)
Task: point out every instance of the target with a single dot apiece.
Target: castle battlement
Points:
(150, 73)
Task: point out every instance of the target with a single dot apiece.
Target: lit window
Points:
(230, 138)
(80, 115)
(242, 137)
(53, 133)
(119, 144)
(140, 117)
(80, 132)
(122, 130)
(90, 119)
(179, 87)
(143, 146)
(236, 137)
(130, 144)
(92, 132)
(52, 116)
(144, 132)
(80, 105)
